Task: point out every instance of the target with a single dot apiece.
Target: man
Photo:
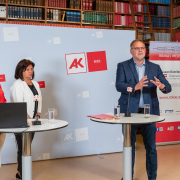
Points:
(144, 78)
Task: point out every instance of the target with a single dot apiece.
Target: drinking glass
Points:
(147, 110)
(51, 112)
(117, 112)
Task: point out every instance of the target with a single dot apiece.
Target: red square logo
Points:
(97, 61)
(2, 78)
(41, 84)
(76, 63)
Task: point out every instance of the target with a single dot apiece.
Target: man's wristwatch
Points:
(163, 88)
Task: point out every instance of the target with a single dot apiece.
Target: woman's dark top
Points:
(34, 91)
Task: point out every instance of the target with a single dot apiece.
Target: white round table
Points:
(127, 149)
(26, 140)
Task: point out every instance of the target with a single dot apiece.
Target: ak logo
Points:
(68, 136)
(76, 63)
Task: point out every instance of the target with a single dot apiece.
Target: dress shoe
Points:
(18, 177)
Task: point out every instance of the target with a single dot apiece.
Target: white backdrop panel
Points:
(46, 47)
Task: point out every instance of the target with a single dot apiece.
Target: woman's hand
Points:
(28, 117)
(38, 115)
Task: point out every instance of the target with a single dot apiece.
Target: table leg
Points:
(26, 157)
(127, 153)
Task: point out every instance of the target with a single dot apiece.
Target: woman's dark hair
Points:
(22, 66)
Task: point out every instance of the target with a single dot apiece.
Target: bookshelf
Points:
(142, 16)
(175, 20)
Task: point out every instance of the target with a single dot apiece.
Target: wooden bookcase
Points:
(175, 4)
(144, 30)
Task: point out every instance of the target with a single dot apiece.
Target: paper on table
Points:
(101, 116)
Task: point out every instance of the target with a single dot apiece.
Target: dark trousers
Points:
(18, 137)
(148, 132)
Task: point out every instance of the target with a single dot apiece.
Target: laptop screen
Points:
(13, 115)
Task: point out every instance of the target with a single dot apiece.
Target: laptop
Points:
(13, 115)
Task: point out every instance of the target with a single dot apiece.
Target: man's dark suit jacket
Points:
(126, 71)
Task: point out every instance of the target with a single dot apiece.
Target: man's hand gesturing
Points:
(157, 83)
(141, 83)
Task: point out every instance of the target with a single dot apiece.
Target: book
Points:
(77, 4)
(100, 116)
(32, 13)
(84, 4)
(21, 12)
(59, 15)
(40, 13)
(2, 11)
(71, 5)
(54, 15)
(68, 16)
(16, 12)
(47, 14)
(51, 14)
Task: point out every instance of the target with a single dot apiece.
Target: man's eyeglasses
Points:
(138, 48)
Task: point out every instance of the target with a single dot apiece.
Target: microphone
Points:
(36, 122)
(129, 89)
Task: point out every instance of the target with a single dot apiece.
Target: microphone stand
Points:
(36, 122)
(127, 114)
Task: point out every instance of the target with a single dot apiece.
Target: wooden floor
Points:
(108, 168)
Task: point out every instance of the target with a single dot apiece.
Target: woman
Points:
(2, 135)
(23, 90)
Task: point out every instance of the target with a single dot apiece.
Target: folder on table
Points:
(101, 116)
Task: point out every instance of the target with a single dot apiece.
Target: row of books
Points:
(109, 18)
(24, 12)
(94, 17)
(176, 23)
(98, 18)
(2, 1)
(55, 14)
(57, 3)
(103, 6)
(87, 4)
(73, 16)
(138, 7)
(176, 11)
(161, 22)
(160, 10)
(121, 7)
(176, 37)
(2, 11)
(26, 2)
(123, 20)
(139, 19)
(162, 36)
(74, 4)
(161, 1)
